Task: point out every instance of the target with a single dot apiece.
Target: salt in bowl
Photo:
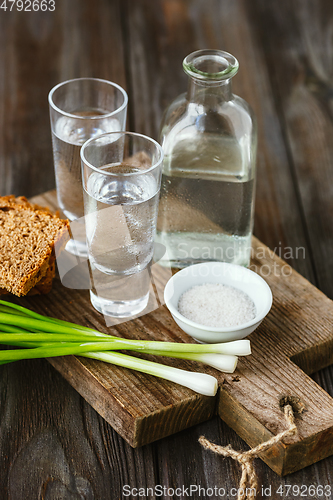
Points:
(227, 274)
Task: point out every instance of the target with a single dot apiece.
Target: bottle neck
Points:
(209, 93)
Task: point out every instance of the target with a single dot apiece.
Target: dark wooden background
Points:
(53, 445)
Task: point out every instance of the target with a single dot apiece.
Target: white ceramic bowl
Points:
(227, 274)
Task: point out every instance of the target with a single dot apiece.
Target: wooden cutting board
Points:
(295, 340)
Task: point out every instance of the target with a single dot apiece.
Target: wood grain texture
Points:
(70, 451)
(38, 51)
(158, 79)
(301, 71)
(142, 408)
(290, 332)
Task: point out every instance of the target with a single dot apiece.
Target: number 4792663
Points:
(28, 5)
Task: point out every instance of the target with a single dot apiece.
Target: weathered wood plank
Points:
(158, 78)
(35, 400)
(25, 53)
(53, 444)
(286, 334)
(298, 49)
(143, 409)
(39, 50)
(279, 221)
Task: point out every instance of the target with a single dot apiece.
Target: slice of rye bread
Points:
(28, 235)
(44, 285)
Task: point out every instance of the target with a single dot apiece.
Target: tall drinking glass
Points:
(80, 109)
(121, 174)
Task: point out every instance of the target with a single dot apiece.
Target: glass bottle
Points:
(209, 140)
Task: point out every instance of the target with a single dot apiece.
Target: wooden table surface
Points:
(53, 445)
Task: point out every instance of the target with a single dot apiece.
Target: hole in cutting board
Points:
(295, 402)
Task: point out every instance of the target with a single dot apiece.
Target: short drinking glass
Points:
(80, 109)
(121, 179)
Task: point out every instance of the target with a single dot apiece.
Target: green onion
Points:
(199, 382)
(52, 325)
(13, 329)
(224, 362)
(49, 337)
(241, 347)
(61, 348)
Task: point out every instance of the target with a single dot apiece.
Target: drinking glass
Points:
(80, 109)
(121, 174)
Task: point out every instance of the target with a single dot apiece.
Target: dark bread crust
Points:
(23, 268)
(44, 285)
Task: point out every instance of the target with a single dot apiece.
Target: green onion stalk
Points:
(46, 337)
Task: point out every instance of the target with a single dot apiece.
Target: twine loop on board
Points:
(248, 484)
